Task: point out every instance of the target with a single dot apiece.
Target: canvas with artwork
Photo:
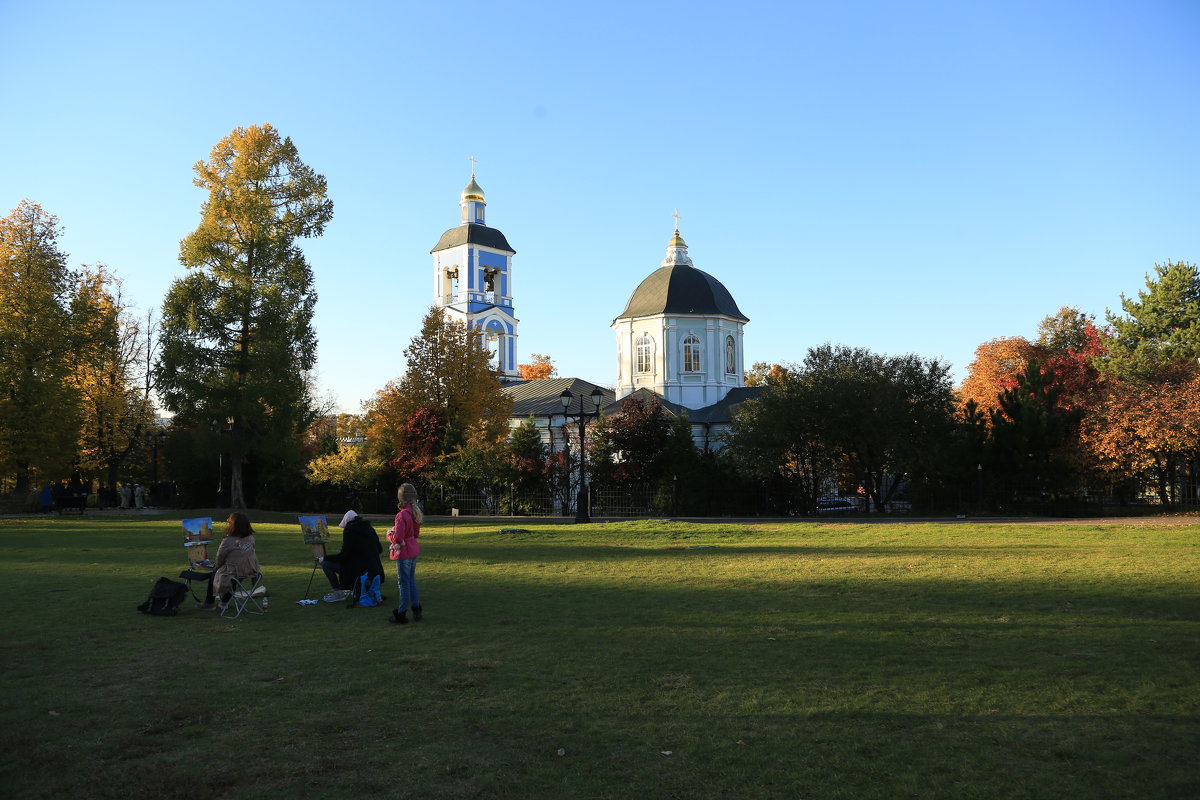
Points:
(315, 530)
(197, 533)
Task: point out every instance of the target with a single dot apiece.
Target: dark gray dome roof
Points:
(473, 233)
(681, 289)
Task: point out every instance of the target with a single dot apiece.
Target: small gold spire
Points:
(473, 193)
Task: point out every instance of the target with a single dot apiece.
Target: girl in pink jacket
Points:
(406, 546)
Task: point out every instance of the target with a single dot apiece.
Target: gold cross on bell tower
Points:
(472, 160)
(677, 217)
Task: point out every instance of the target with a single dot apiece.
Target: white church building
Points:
(679, 337)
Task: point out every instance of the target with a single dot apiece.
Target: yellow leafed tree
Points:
(110, 374)
(38, 407)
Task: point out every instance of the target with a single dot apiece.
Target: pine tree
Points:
(1158, 337)
(237, 330)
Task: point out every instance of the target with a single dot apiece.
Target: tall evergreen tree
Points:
(1034, 438)
(1158, 337)
(39, 422)
(237, 329)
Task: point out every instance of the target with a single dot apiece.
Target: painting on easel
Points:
(197, 533)
(316, 534)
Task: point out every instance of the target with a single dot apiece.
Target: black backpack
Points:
(164, 598)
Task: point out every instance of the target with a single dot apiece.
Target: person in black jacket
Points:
(359, 555)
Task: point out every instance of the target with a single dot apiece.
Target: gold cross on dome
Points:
(472, 160)
(677, 217)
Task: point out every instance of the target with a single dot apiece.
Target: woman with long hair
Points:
(235, 557)
(405, 547)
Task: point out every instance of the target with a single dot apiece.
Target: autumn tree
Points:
(541, 368)
(340, 456)
(637, 437)
(996, 366)
(350, 465)
(111, 374)
(39, 420)
(1067, 330)
(1149, 432)
(1158, 336)
(761, 374)
(448, 394)
(237, 330)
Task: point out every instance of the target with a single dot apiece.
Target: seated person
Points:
(359, 555)
(235, 559)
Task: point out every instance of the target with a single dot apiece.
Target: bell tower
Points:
(472, 279)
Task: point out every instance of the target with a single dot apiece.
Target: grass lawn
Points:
(636, 659)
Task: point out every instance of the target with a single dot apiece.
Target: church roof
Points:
(473, 233)
(677, 287)
(540, 398)
(722, 410)
(680, 289)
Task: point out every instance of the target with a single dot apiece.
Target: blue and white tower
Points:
(472, 280)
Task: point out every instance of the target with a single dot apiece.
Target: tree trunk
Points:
(237, 498)
(23, 481)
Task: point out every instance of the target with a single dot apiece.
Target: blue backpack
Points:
(368, 594)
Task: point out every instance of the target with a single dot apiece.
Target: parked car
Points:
(836, 505)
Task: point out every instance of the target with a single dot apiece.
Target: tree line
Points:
(1084, 410)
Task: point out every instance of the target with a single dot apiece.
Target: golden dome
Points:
(473, 193)
(677, 240)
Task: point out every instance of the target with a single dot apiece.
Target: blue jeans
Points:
(407, 584)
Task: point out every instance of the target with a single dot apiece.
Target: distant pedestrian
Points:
(139, 495)
(46, 499)
(126, 495)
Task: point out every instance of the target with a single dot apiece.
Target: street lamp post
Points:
(581, 501)
(156, 440)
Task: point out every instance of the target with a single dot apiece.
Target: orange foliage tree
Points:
(541, 368)
(995, 369)
(1149, 431)
(762, 374)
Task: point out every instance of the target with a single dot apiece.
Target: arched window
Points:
(644, 353)
(494, 340)
(691, 353)
(730, 357)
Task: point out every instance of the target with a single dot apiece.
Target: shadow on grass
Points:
(746, 670)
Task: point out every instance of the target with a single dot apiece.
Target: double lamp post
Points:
(581, 501)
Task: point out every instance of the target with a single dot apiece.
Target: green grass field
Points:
(635, 659)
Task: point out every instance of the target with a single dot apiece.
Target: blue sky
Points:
(909, 177)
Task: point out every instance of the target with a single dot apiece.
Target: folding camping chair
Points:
(249, 596)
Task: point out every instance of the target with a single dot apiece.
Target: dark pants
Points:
(208, 589)
(333, 571)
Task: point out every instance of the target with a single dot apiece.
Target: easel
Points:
(200, 567)
(316, 533)
(318, 552)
